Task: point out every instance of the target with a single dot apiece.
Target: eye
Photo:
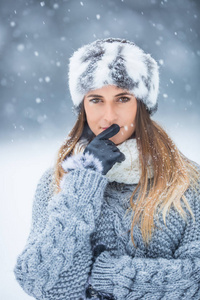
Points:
(124, 99)
(95, 100)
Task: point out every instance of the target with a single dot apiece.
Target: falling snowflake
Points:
(12, 24)
(56, 6)
(20, 47)
(47, 79)
(38, 100)
(158, 43)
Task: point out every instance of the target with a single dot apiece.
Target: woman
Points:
(119, 216)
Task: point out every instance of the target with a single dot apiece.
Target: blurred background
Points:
(36, 40)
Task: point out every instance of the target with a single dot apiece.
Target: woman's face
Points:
(111, 105)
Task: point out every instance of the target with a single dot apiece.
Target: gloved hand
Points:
(104, 149)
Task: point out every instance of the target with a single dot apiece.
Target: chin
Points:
(118, 141)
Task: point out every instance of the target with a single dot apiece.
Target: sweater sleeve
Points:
(154, 278)
(57, 257)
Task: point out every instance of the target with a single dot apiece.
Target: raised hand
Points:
(104, 149)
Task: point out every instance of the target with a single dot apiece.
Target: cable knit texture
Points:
(57, 261)
(57, 257)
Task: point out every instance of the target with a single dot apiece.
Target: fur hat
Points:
(117, 62)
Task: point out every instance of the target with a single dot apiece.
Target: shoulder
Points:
(42, 197)
(47, 178)
(44, 191)
(195, 164)
(197, 179)
(192, 194)
(45, 186)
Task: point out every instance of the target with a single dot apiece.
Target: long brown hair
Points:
(173, 172)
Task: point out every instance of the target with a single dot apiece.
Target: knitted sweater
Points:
(89, 211)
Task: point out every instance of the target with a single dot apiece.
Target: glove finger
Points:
(121, 157)
(109, 132)
(115, 150)
(110, 143)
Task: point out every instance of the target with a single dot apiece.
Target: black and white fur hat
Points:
(117, 62)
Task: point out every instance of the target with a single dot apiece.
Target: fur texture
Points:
(81, 161)
(114, 62)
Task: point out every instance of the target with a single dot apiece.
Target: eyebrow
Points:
(121, 94)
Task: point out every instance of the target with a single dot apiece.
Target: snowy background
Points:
(36, 40)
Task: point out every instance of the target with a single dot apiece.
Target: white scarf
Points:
(127, 171)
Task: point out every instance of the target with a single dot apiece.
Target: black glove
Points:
(104, 149)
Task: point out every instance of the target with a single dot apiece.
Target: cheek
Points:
(128, 129)
(92, 116)
(129, 120)
(128, 123)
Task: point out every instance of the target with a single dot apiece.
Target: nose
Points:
(110, 114)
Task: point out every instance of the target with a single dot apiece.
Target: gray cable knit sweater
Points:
(90, 211)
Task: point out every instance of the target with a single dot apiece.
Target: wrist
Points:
(112, 275)
(102, 273)
(83, 190)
